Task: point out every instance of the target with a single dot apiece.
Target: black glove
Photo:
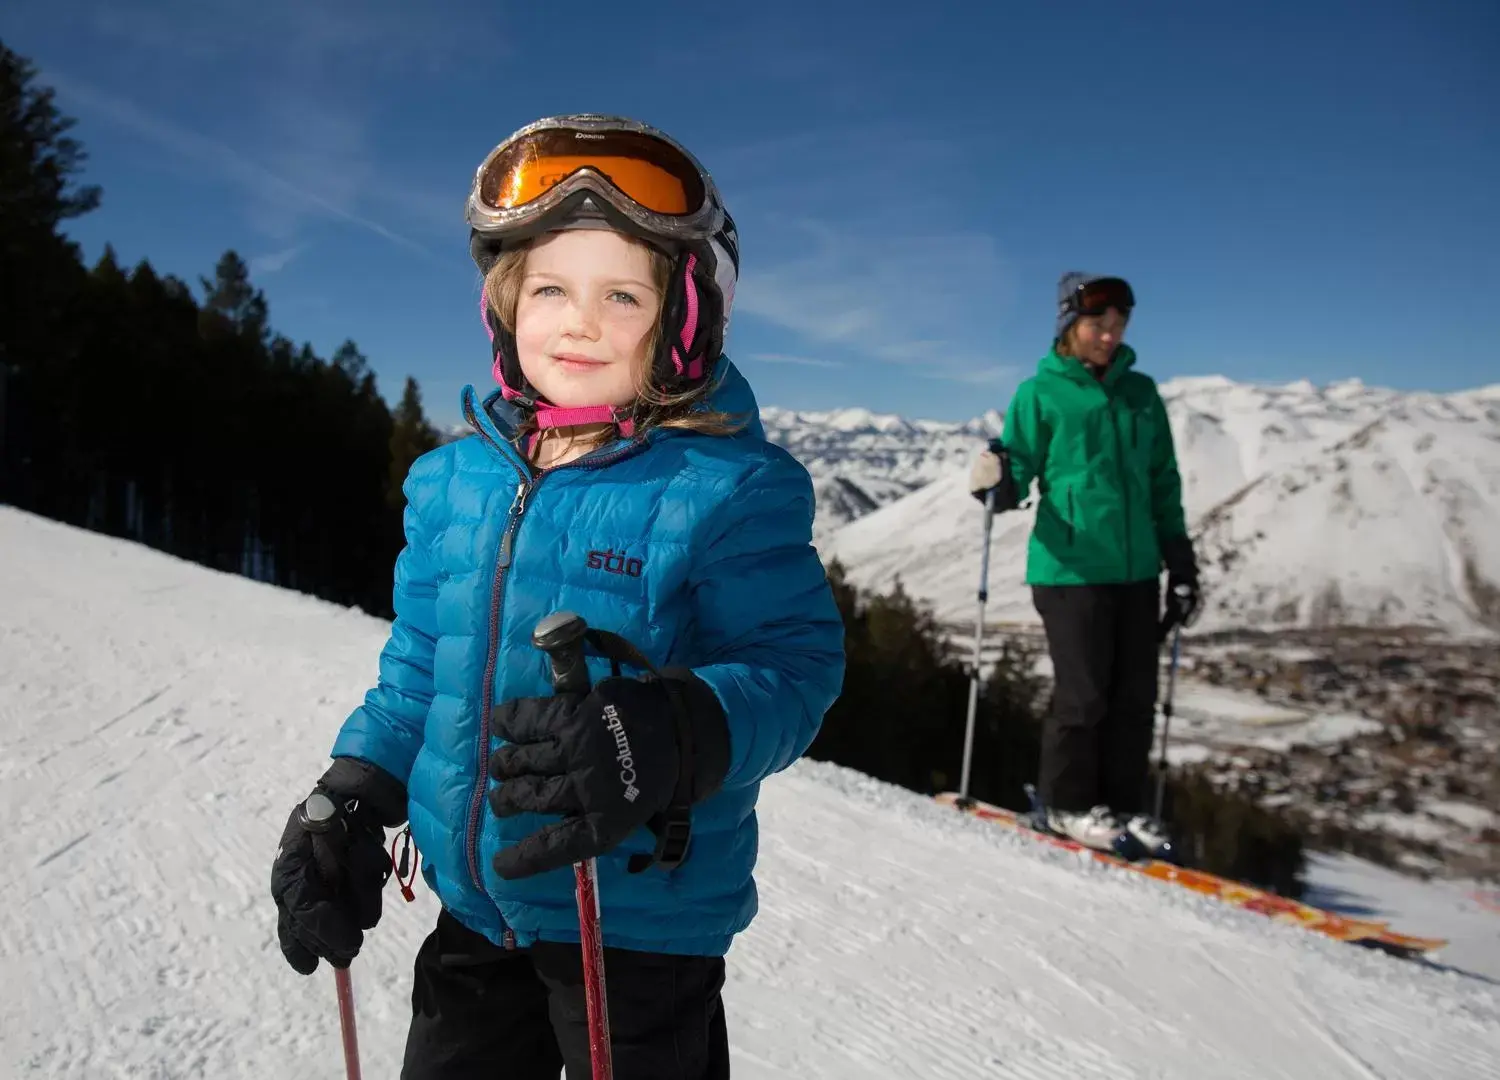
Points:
(631, 752)
(1183, 597)
(992, 471)
(327, 885)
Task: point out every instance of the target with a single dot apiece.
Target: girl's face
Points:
(1095, 337)
(585, 316)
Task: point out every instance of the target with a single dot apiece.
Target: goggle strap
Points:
(694, 367)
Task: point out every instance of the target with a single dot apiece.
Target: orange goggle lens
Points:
(644, 169)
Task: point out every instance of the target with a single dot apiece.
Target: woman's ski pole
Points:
(984, 581)
(1166, 718)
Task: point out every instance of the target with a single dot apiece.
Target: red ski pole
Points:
(346, 1022)
(586, 875)
(560, 636)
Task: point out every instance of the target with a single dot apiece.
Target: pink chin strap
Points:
(554, 416)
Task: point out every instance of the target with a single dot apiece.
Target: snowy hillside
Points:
(1346, 504)
(157, 720)
(861, 460)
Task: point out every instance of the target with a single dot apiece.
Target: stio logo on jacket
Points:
(613, 562)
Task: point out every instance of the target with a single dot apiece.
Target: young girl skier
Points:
(1093, 433)
(619, 472)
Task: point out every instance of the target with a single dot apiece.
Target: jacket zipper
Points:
(1070, 513)
(1114, 420)
(502, 560)
(497, 590)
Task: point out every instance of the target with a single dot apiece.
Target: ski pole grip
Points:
(560, 635)
(320, 815)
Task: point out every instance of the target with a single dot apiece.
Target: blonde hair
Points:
(653, 407)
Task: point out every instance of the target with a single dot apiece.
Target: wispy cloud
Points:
(270, 188)
(856, 258)
(317, 146)
(274, 261)
(293, 88)
(994, 375)
(900, 298)
(799, 361)
(842, 168)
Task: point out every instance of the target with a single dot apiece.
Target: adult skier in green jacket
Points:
(1093, 433)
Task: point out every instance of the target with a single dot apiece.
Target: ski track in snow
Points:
(158, 720)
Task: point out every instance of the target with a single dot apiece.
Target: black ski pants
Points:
(1096, 742)
(480, 1012)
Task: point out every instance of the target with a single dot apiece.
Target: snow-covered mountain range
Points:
(860, 460)
(1311, 506)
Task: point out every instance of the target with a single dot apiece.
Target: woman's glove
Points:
(992, 472)
(1183, 597)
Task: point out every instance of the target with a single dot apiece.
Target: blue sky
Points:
(1295, 189)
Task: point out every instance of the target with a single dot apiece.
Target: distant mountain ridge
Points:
(1311, 506)
(861, 460)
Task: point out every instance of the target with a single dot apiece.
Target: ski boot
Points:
(1097, 829)
(1151, 838)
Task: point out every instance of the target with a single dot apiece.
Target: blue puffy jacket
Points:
(698, 549)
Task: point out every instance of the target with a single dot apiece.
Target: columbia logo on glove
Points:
(622, 746)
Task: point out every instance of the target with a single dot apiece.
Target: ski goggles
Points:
(643, 174)
(1097, 297)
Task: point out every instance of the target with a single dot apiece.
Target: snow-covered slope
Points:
(157, 720)
(861, 460)
(1345, 504)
